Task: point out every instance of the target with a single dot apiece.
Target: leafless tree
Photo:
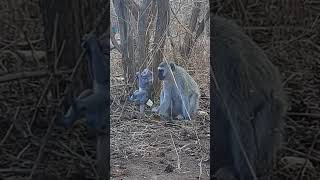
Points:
(122, 11)
(194, 30)
(145, 19)
(163, 17)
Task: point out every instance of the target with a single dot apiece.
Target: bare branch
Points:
(188, 40)
(134, 8)
(115, 43)
(201, 25)
(143, 33)
(163, 19)
(25, 75)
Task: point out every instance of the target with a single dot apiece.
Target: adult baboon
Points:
(179, 94)
(248, 105)
(91, 103)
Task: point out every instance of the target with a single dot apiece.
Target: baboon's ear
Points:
(172, 66)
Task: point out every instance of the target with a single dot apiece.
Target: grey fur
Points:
(91, 103)
(251, 97)
(171, 102)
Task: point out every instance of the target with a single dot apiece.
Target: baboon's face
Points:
(163, 71)
(146, 78)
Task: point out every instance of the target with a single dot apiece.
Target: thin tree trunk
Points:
(115, 43)
(132, 62)
(202, 25)
(150, 26)
(143, 33)
(122, 11)
(163, 18)
(134, 8)
(188, 39)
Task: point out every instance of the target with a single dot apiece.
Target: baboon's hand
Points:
(155, 109)
(72, 115)
(180, 117)
(163, 117)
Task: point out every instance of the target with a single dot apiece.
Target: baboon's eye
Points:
(161, 71)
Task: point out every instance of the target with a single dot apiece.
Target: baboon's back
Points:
(250, 85)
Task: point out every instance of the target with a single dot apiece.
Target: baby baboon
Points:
(142, 95)
(248, 104)
(179, 95)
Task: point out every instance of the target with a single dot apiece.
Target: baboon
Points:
(142, 95)
(248, 105)
(180, 94)
(91, 103)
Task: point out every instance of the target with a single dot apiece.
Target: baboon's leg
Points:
(221, 138)
(94, 110)
(268, 132)
(161, 95)
(244, 130)
(165, 105)
(177, 106)
(70, 117)
(185, 106)
(156, 109)
(194, 100)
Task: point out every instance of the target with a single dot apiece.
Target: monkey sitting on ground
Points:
(180, 94)
(248, 106)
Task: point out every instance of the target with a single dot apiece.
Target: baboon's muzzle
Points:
(161, 74)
